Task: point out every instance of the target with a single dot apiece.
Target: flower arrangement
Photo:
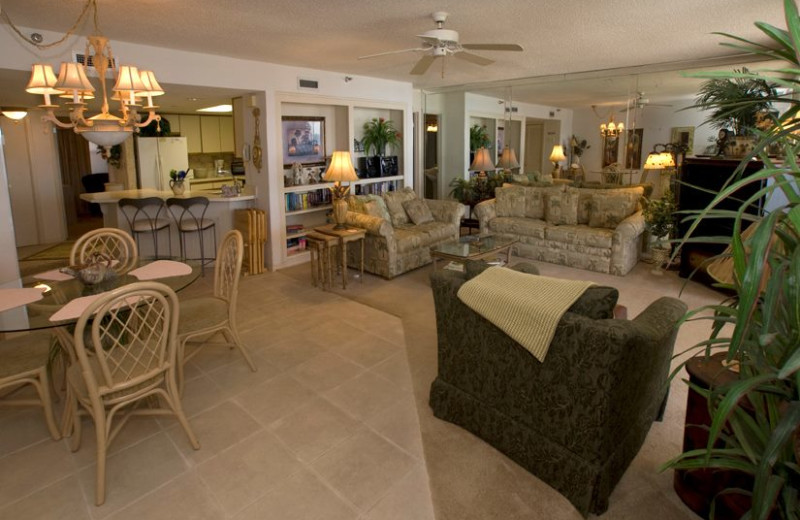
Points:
(578, 146)
(379, 132)
(177, 176)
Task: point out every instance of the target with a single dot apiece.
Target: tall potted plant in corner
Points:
(755, 420)
(659, 217)
(378, 134)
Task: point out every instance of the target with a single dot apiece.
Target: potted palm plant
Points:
(378, 134)
(737, 103)
(659, 217)
(755, 419)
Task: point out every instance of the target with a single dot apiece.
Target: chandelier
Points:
(611, 129)
(105, 128)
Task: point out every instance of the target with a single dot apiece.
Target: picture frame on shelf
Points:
(303, 140)
(683, 135)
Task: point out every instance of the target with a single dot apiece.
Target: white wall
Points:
(9, 268)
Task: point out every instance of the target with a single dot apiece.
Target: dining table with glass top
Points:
(57, 293)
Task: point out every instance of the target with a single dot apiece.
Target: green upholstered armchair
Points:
(575, 420)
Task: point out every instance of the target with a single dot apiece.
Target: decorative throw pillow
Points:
(418, 211)
(609, 209)
(371, 209)
(381, 209)
(534, 203)
(585, 200)
(561, 208)
(520, 179)
(355, 203)
(510, 201)
(394, 203)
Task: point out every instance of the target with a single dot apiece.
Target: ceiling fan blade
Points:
(473, 58)
(492, 46)
(392, 52)
(423, 65)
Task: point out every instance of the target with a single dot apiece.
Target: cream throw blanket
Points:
(527, 307)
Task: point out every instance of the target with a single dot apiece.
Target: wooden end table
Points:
(345, 236)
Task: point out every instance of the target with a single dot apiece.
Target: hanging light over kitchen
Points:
(103, 129)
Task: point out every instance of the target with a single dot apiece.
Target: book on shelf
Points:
(307, 200)
(375, 188)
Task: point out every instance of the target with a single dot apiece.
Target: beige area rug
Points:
(469, 479)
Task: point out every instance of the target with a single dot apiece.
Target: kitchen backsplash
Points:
(203, 163)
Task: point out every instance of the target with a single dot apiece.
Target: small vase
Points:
(178, 187)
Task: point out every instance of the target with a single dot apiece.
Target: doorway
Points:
(431, 159)
(534, 143)
(79, 175)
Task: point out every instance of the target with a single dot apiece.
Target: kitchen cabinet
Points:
(190, 129)
(209, 133)
(226, 135)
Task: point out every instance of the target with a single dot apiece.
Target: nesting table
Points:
(335, 237)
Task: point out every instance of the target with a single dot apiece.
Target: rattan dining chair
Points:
(23, 361)
(147, 216)
(115, 243)
(131, 333)
(190, 217)
(204, 316)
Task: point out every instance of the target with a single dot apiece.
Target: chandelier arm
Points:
(49, 116)
(150, 118)
(70, 32)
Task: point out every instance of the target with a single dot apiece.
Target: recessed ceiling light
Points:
(218, 108)
(193, 99)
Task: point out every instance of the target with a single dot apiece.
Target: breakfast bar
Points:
(220, 210)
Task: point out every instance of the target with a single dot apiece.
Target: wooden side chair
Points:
(131, 334)
(113, 242)
(203, 316)
(23, 361)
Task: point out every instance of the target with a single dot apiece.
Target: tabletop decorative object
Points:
(97, 269)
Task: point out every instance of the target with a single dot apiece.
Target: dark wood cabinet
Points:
(700, 181)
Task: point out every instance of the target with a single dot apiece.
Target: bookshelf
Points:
(305, 206)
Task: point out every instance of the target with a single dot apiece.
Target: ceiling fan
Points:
(640, 101)
(441, 42)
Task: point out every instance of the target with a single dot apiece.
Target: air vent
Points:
(79, 57)
(307, 83)
(512, 109)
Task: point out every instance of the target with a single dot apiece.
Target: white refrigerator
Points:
(156, 156)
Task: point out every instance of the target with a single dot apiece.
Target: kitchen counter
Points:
(220, 210)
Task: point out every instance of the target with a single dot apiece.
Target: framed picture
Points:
(501, 141)
(610, 149)
(303, 140)
(633, 157)
(683, 135)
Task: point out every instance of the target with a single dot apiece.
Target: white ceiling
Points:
(559, 37)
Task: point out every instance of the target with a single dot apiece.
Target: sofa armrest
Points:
(449, 211)
(373, 225)
(485, 211)
(629, 229)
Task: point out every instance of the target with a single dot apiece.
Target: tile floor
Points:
(326, 429)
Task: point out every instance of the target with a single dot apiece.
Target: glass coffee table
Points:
(472, 248)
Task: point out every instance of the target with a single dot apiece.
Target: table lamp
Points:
(508, 160)
(482, 162)
(340, 170)
(556, 156)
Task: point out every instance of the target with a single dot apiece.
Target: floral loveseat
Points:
(588, 228)
(401, 228)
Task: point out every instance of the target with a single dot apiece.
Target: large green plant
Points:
(756, 419)
(737, 103)
(476, 189)
(659, 215)
(378, 133)
(479, 138)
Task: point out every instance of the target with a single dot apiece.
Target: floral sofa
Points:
(401, 228)
(589, 228)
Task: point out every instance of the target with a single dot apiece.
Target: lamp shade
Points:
(43, 80)
(151, 86)
(129, 80)
(557, 154)
(667, 160)
(653, 162)
(341, 168)
(71, 76)
(482, 162)
(508, 159)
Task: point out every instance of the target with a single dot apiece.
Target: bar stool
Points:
(191, 218)
(145, 216)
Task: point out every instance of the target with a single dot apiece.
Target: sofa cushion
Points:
(510, 201)
(581, 235)
(561, 208)
(410, 237)
(609, 209)
(394, 203)
(586, 194)
(418, 211)
(518, 226)
(358, 203)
